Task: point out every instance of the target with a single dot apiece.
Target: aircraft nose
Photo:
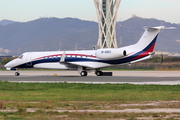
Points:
(10, 64)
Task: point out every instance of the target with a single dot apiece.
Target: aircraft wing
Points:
(87, 64)
(92, 65)
(83, 64)
(76, 64)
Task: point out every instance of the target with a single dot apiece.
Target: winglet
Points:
(62, 57)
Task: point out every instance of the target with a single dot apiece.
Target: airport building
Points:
(107, 14)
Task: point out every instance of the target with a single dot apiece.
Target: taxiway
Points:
(132, 77)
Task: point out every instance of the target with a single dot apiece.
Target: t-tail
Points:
(145, 46)
(148, 39)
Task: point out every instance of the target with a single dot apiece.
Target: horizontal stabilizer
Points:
(159, 28)
(145, 58)
(170, 28)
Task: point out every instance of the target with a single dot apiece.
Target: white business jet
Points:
(89, 60)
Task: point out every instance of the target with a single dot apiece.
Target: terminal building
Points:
(107, 15)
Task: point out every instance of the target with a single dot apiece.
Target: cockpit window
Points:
(20, 57)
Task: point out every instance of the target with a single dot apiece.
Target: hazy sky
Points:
(27, 10)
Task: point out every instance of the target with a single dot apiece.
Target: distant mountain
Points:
(5, 22)
(69, 34)
(48, 34)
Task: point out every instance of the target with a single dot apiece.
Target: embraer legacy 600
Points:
(89, 60)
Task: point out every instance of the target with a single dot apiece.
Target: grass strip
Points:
(87, 92)
(79, 96)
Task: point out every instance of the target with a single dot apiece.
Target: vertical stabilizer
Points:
(148, 39)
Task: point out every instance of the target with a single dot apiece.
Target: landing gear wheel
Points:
(17, 73)
(99, 73)
(83, 73)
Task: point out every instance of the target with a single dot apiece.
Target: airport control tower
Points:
(107, 14)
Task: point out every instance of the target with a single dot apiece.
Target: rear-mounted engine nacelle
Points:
(110, 53)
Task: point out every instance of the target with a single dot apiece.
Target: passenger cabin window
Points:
(20, 57)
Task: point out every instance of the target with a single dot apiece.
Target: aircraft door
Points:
(29, 59)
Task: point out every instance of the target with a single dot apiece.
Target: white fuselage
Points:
(91, 59)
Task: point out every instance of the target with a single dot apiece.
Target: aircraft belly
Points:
(50, 66)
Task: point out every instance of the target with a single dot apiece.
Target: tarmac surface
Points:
(132, 77)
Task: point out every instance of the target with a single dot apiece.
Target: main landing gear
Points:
(84, 73)
(99, 73)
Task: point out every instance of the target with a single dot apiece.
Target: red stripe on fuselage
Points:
(65, 54)
(81, 55)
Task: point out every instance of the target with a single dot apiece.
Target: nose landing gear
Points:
(17, 72)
